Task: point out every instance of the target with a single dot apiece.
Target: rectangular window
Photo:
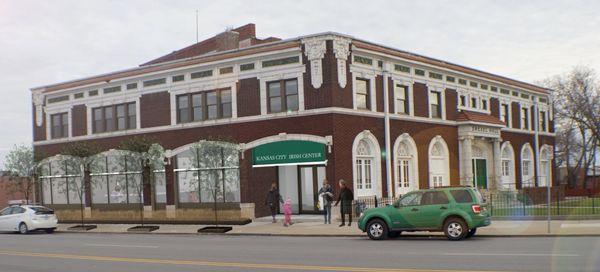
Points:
(462, 196)
(515, 93)
(484, 105)
(131, 86)
(435, 104)
(462, 101)
(473, 84)
(247, 67)
(524, 118)
(504, 91)
(58, 99)
(114, 118)
(178, 78)
(283, 61)
(504, 114)
(226, 70)
(542, 120)
(112, 89)
(154, 82)
(363, 60)
(204, 106)
(60, 125)
(401, 93)
(363, 99)
(282, 95)
(462, 81)
(402, 68)
(505, 168)
(526, 96)
(483, 86)
(201, 74)
(450, 79)
(93, 93)
(494, 89)
(78, 95)
(474, 102)
(436, 75)
(419, 72)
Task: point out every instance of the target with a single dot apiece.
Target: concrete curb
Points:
(334, 235)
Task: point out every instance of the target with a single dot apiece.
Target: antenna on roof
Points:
(196, 26)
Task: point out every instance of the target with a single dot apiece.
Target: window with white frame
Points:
(484, 104)
(524, 118)
(283, 95)
(364, 166)
(363, 97)
(439, 168)
(504, 114)
(402, 99)
(474, 102)
(435, 104)
(542, 119)
(462, 100)
(59, 125)
(526, 166)
(507, 167)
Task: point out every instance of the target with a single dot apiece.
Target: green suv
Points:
(457, 211)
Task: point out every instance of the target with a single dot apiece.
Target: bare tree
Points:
(577, 119)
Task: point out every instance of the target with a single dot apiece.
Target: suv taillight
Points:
(476, 208)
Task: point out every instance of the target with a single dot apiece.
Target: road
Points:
(62, 252)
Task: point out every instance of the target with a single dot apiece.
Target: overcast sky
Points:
(44, 42)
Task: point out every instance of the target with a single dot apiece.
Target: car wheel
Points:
(471, 232)
(23, 228)
(377, 230)
(49, 231)
(394, 234)
(455, 229)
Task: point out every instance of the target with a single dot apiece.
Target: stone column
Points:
(468, 160)
(495, 184)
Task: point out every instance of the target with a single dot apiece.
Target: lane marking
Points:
(125, 246)
(213, 264)
(512, 254)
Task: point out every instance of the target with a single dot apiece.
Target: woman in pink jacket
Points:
(287, 211)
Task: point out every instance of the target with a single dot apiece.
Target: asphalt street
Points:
(62, 252)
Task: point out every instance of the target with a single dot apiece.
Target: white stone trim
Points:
(529, 179)
(376, 166)
(263, 80)
(341, 50)
(314, 50)
(446, 158)
(414, 178)
(207, 86)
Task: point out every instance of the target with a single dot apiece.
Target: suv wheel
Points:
(377, 230)
(23, 228)
(455, 229)
(471, 232)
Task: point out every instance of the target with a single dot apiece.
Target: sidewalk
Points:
(310, 227)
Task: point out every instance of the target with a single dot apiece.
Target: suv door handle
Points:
(443, 208)
(414, 209)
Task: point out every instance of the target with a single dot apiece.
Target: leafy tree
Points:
(21, 166)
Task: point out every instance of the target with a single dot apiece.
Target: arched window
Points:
(439, 165)
(208, 171)
(366, 165)
(527, 170)
(61, 178)
(406, 174)
(545, 166)
(116, 177)
(507, 167)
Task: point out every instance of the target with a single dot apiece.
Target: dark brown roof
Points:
(471, 116)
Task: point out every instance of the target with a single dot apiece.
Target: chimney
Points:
(227, 40)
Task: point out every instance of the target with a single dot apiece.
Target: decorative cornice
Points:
(38, 102)
(341, 50)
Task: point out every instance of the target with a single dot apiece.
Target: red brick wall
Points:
(421, 99)
(451, 98)
(7, 192)
(248, 97)
(79, 120)
(155, 109)
(321, 97)
(495, 107)
(379, 93)
(516, 114)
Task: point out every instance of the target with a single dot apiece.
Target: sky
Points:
(45, 42)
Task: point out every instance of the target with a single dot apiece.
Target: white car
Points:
(26, 218)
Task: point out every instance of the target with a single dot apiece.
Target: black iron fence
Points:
(526, 202)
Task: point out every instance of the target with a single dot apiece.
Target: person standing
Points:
(326, 197)
(287, 211)
(346, 197)
(273, 200)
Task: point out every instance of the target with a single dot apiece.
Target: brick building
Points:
(295, 111)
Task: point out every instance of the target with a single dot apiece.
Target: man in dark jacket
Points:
(346, 197)
(273, 200)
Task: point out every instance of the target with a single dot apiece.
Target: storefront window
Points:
(208, 172)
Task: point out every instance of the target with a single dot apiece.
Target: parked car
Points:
(457, 211)
(27, 218)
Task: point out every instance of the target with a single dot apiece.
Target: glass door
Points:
(310, 178)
